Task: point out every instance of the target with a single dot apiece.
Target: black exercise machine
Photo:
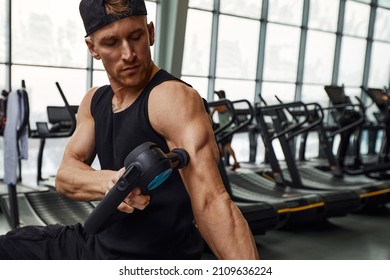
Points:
(349, 193)
(338, 201)
(379, 166)
(40, 207)
(245, 185)
(349, 119)
(61, 124)
(375, 169)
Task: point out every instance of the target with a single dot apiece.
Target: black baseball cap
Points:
(95, 17)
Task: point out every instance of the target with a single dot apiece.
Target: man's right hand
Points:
(135, 200)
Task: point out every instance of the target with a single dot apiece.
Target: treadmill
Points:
(350, 120)
(370, 192)
(26, 206)
(245, 186)
(377, 169)
(377, 164)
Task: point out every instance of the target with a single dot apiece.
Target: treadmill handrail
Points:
(354, 124)
(250, 111)
(292, 130)
(384, 107)
(307, 113)
(71, 114)
(234, 125)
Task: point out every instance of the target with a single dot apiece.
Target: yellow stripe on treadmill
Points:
(301, 208)
(363, 195)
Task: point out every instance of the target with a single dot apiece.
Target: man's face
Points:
(124, 48)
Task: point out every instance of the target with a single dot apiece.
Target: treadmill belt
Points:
(374, 193)
(292, 208)
(44, 208)
(53, 208)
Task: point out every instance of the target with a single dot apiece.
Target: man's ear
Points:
(91, 48)
(151, 33)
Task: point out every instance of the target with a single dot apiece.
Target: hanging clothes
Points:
(14, 148)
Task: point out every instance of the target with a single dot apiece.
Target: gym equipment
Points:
(378, 168)
(338, 202)
(368, 192)
(25, 205)
(245, 186)
(62, 120)
(349, 119)
(147, 167)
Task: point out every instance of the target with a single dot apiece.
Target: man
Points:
(142, 103)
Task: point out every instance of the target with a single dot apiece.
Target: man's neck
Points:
(125, 96)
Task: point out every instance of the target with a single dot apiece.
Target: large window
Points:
(237, 48)
(285, 11)
(2, 74)
(236, 89)
(352, 61)
(233, 67)
(201, 4)
(323, 14)
(40, 85)
(320, 48)
(281, 53)
(3, 31)
(380, 66)
(285, 48)
(284, 91)
(53, 35)
(380, 56)
(291, 49)
(384, 3)
(47, 46)
(315, 93)
(196, 56)
(356, 19)
(198, 39)
(382, 31)
(248, 8)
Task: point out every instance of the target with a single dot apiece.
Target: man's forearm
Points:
(81, 182)
(227, 232)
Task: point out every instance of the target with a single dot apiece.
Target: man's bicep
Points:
(201, 176)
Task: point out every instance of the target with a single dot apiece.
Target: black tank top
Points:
(165, 229)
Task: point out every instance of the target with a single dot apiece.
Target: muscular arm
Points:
(77, 179)
(177, 113)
